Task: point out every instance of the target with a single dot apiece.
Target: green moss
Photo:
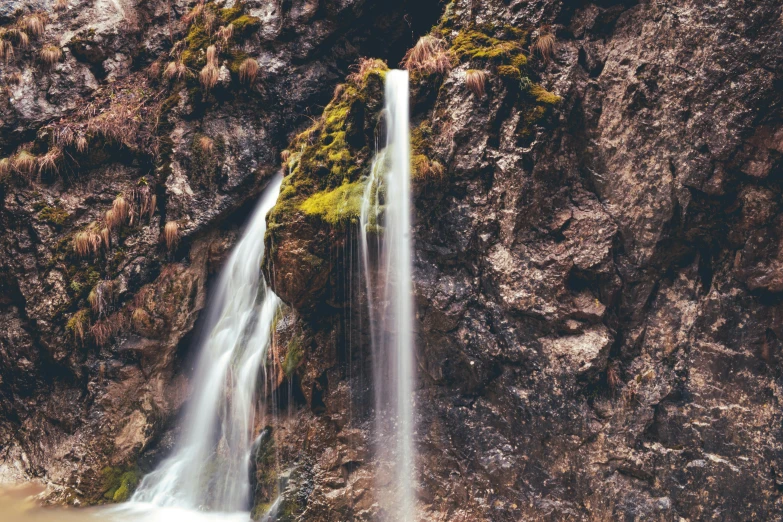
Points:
(118, 484)
(337, 206)
(543, 96)
(476, 44)
(230, 14)
(293, 356)
(235, 59)
(509, 72)
(245, 24)
(53, 215)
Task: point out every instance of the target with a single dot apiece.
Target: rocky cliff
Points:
(597, 246)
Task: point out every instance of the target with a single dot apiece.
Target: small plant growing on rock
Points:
(5, 167)
(24, 162)
(194, 13)
(34, 23)
(140, 318)
(50, 55)
(6, 50)
(225, 33)
(87, 242)
(48, 162)
(429, 56)
(81, 144)
(248, 70)
(171, 234)
(101, 296)
(476, 81)
(111, 220)
(206, 144)
(60, 5)
(176, 70)
(209, 76)
(364, 68)
(544, 46)
(121, 209)
(79, 324)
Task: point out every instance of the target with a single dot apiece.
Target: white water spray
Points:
(388, 272)
(210, 465)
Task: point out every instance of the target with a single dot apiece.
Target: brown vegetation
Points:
(121, 209)
(48, 162)
(24, 162)
(544, 46)
(171, 234)
(209, 76)
(248, 70)
(476, 81)
(87, 242)
(176, 70)
(429, 55)
(206, 144)
(34, 24)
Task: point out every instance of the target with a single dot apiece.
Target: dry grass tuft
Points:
(285, 156)
(87, 242)
(194, 13)
(6, 50)
(544, 46)
(64, 137)
(34, 24)
(209, 76)
(106, 237)
(82, 144)
(24, 162)
(225, 33)
(153, 206)
(111, 220)
(51, 54)
(103, 331)
(171, 234)
(140, 318)
(176, 70)
(48, 162)
(15, 78)
(210, 20)
(121, 209)
(60, 5)
(429, 55)
(212, 55)
(21, 38)
(5, 167)
(153, 71)
(248, 70)
(476, 81)
(206, 144)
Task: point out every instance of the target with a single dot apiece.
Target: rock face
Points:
(597, 251)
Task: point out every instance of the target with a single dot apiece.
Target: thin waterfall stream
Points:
(385, 230)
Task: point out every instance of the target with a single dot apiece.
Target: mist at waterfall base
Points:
(387, 267)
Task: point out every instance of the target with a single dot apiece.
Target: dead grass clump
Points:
(60, 5)
(121, 209)
(285, 156)
(87, 242)
(153, 206)
(194, 13)
(106, 237)
(15, 78)
(111, 220)
(426, 169)
(171, 234)
(544, 46)
(153, 71)
(105, 330)
(15, 34)
(429, 55)
(209, 19)
(48, 162)
(176, 70)
(64, 137)
(212, 55)
(81, 144)
(140, 318)
(225, 33)
(209, 76)
(248, 70)
(476, 81)
(34, 24)
(51, 54)
(206, 144)
(5, 167)
(24, 162)
(6, 50)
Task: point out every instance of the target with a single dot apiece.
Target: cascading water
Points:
(208, 470)
(388, 272)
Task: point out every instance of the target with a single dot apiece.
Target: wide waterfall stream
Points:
(208, 470)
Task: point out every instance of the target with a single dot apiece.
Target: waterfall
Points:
(388, 273)
(209, 468)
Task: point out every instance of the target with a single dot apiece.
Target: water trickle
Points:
(209, 469)
(387, 265)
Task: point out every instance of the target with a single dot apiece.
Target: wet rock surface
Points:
(597, 279)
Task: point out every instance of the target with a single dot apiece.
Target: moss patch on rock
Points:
(119, 484)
